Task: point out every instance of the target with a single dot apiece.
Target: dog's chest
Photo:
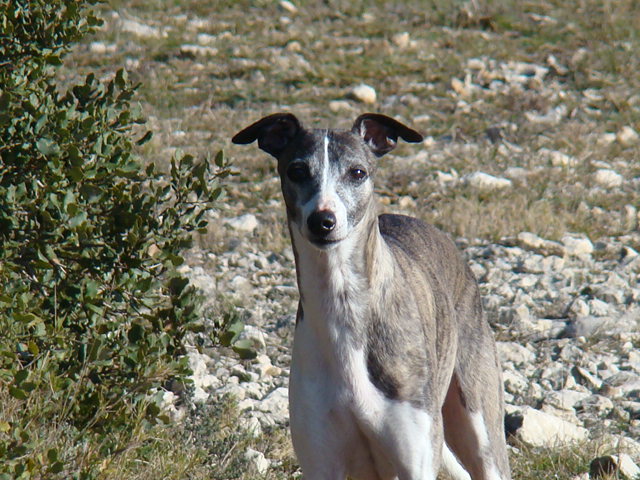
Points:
(330, 347)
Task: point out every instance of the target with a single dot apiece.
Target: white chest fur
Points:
(337, 414)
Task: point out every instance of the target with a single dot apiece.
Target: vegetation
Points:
(92, 312)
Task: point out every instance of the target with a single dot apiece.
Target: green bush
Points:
(92, 311)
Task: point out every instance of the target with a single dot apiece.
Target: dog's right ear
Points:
(274, 133)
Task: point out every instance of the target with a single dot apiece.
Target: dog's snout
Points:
(321, 223)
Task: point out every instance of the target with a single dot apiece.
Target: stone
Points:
(564, 399)
(627, 136)
(288, 6)
(251, 425)
(559, 159)
(587, 325)
(540, 429)
(244, 223)
(608, 178)
(595, 404)
(514, 382)
(584, 377)
(364, 93)
(401, 40)
(257, 460)
(621, 466)
(515, 353)
(198, 50)
(485, 182)
(276, 404)
(265, 368)
(139, 29)
(622, 384)
(577, 246)
(255, 336)
(101, 48)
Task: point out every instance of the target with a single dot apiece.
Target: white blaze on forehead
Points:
(327, 194)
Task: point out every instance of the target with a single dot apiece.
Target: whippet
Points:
(394, 369)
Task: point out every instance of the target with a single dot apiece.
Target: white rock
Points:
(139, 29)
(531, 241)
(515, 353)
(608, 178)
(559, 159)
(627, 136)
(364, 93)
(564, 399)
(255, 336)
(515, 383)
(265, 368)
(484, 181)
(276, 405)
(401, 40)
(288, 6)
(257, 460)
(198, 50)
(240, 285)
(621, 466)
(598, 404)
(206, 39)
(201, 377)
(244, 223)
(577, 246)
(541, 429)
(251, 425)
(102, 48)
(605, 139)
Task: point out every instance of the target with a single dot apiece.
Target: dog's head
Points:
(326, 175)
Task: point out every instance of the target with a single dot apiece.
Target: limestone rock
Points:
(540, 429)
(485, 182)
(364, 93)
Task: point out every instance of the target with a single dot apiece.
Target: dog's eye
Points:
(358, 173)
(298, 172)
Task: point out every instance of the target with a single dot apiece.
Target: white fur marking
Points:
(479, 427)
(452, 465)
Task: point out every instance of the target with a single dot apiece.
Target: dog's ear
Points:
(273, 133)
(381, 133)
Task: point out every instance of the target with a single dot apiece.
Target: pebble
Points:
(244, 223)
(401, 40)
(627, 136)
(577, 246)
(540, 429)
(608, 178)
(139, 29)
(257, 460)
(485, 182)
(364, 93)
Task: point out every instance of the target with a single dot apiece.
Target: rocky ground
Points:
(530, 162)
(566, 316)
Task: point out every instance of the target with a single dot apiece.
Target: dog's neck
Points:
(339, 285)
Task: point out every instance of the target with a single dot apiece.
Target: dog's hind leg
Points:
(473, 431)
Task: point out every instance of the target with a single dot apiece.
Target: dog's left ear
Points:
(381, 133)
(274, 133)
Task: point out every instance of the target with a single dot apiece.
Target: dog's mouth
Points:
(324, 243)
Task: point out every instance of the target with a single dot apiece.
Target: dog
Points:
(394, 368)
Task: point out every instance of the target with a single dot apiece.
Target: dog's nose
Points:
(321, 223)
